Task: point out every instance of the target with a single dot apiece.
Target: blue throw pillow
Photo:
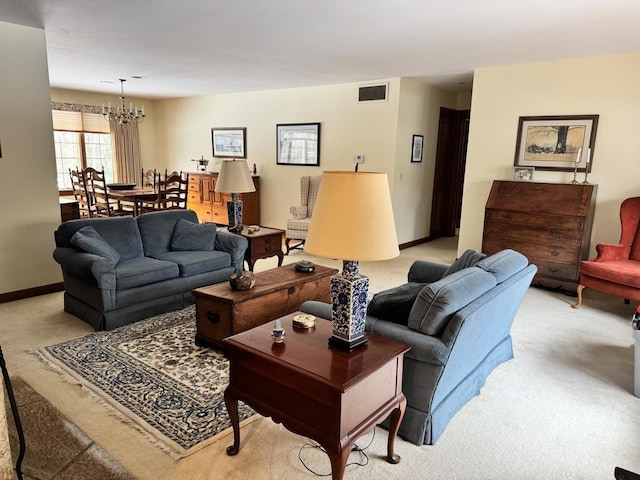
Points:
(193, 236)
(90, 241)
(468, 259)
(394, 305)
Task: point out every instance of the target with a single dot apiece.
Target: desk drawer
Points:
(267, 244)
(537, 220)
(533, 234)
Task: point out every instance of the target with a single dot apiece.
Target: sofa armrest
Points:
(423, 271)
(319, 309)
(87, 267)
(234, 245)
(424, 348)
(298, 212)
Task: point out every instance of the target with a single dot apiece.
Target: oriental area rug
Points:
(153, 376)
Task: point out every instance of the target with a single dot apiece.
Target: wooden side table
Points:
(314, 390)
(265, 243)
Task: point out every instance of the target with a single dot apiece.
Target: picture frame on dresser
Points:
(557, 143)
(230, 142)
(523, 174)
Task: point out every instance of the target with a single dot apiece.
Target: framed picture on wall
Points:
(229, 142)
(523, 174)
(298, 144)
(417, 145)
(561, 143)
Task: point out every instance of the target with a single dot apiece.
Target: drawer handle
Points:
(554, 253)
(537, 187)
(553, 269)
(213, 317)
(267, 249)
(291, 290)
(557, 236)
(559, 221)
(506, 216)
(267, 240)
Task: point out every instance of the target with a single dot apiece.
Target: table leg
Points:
(280, 258)
(396, 419)
(338, 458)
(231, 402)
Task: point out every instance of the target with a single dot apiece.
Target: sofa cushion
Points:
(468, 259)
(395, 304)
(156, 229)
(193, 236)
(195, 262)
(90, 241)
(503, 264)
(438, 301)
(143, 271)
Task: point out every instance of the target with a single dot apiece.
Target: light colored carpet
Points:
(562, 408)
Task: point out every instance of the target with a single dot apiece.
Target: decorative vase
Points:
(244, 282)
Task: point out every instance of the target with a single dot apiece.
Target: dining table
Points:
(133, 195)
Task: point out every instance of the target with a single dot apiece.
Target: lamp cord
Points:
(355, 448)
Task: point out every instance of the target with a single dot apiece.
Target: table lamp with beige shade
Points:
(352, 221)
(234, 178)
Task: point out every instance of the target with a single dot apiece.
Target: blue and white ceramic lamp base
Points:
(349, 307)
(234, 210)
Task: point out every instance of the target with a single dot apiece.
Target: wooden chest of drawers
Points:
(211, 206)
(549, 223)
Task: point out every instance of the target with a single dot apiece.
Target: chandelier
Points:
(121, 114)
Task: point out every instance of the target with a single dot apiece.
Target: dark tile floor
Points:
(55, 447)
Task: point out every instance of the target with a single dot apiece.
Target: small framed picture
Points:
(523, 174)
(298, 144)
(416, 148)
(229, 142)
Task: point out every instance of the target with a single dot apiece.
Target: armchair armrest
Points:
(608, 252)
(233, 244)
(424, 348)
(299, 212)
(319, 309)
(87, 267)
(423, 271)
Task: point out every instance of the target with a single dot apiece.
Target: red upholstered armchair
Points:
(616, 268)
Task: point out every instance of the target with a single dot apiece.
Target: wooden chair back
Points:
(101, 204)
(173, 192)
(80, 193)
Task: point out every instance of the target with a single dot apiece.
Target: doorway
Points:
(451, 153)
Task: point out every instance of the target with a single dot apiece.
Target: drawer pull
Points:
(557, 236)
(554, 253)
(506, 216)
(213, 317)
(291, 290)
(267, 248)
(537, 187)
(553, 269)
(559, 221)
(267, 240)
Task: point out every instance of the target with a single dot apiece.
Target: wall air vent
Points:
(373, 93)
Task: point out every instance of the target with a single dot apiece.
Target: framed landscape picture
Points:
(229, 142)
(298, 144)
(556, 142)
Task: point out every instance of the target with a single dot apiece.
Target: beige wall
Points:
(607, 86)
(29, 209)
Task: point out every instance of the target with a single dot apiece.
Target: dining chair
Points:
(80, 193)
(148, 178)
(172, 194)
(101, 204)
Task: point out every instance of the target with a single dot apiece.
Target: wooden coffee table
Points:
(221, 312)
(315, 390)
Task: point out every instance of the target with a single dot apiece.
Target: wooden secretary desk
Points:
(211, 206)
(549, 223)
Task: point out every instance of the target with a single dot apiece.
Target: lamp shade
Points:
(234, 177)
(353, 218)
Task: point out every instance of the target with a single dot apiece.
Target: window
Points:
(81, 140)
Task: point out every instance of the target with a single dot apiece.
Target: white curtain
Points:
(126, 151)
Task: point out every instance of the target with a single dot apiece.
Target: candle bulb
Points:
(578, 156)
(588, 156)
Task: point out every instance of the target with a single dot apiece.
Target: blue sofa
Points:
(122, 269)
(457, 319)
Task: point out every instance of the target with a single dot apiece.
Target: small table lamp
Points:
(234, 178)
(352, 221)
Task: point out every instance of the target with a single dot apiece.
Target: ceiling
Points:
(199, 47)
